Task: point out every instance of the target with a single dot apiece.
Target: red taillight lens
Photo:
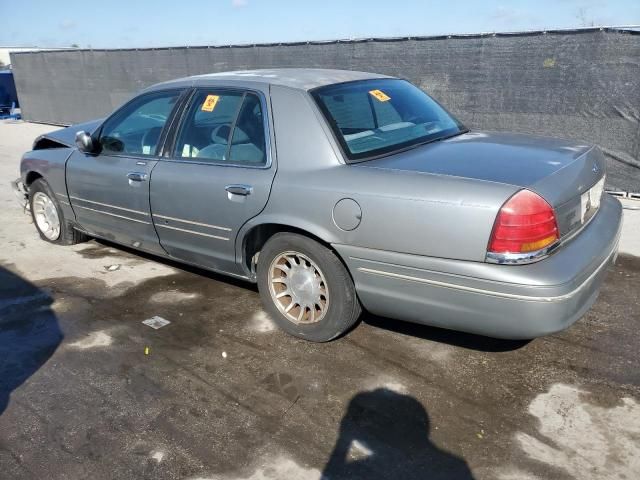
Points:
(525, 223)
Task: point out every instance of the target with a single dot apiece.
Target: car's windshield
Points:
(380, 116)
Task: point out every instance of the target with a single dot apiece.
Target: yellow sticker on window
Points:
(210, 103)
(380, 95)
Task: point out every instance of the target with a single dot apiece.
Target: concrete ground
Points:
(223, 395)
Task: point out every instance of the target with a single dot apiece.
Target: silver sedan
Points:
(337, 191)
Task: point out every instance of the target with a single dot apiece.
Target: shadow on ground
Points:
(29, 332)
(469, 341)
(384, 435)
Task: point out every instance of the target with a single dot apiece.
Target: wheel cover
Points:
(298, 288)
(46, 216)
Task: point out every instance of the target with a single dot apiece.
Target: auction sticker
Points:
(380, 95)
(210, 103)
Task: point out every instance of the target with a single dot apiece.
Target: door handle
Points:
(137, 176)
(239, 189)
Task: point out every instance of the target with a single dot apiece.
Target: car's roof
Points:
(298, 78)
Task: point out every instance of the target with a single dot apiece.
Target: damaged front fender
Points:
(65, 137)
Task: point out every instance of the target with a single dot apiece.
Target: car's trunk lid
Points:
(560, 171)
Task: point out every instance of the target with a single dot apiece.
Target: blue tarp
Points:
(8, 94)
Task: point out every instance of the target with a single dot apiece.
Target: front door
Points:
(109, 191)
(218, 177)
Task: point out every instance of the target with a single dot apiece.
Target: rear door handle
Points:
(137, 176)
(239, 189)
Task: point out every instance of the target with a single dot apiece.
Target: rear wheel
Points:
(305, 288)
(48, 216)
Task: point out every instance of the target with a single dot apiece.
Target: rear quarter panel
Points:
(407, 212)
(415, 214)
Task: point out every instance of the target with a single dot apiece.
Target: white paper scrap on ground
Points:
(156, 322)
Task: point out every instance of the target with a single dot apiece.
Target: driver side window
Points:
(137, 127)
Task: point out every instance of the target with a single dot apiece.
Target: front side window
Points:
(381, 116)
(223, 127)
(137, 127)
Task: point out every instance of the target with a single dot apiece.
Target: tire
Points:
(319, 273)
(67, 235)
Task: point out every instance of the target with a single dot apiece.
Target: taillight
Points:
(525, 223)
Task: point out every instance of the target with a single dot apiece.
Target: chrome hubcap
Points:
(298, 288)
(46, 216)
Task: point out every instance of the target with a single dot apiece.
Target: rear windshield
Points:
(371, 118)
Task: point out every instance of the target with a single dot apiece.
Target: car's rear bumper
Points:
(504, 301)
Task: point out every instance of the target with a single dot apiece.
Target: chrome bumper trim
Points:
(192, 232)
(111, 214)
(107, 205)
(190, 222)
(494, 293)
(521, 258)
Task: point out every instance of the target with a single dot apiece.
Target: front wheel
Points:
(305, 288)
(48, 216)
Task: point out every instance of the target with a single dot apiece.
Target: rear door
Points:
(109, 192)
(217, 175)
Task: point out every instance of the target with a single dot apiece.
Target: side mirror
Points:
(84, 142)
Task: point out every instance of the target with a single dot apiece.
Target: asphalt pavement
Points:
(89, 391)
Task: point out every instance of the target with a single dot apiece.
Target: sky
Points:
(146, 23)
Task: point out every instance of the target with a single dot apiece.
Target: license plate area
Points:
(590, 201)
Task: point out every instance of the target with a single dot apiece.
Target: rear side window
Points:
(380, 116)
(136, 128)
(223, 127)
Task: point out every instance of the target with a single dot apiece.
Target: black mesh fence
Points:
(580, 84)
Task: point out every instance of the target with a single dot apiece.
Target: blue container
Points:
(8, 94)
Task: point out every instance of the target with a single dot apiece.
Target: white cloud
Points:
(508, 16)
(67, 24)
(239, 3)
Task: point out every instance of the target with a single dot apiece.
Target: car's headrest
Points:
(239, 136)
